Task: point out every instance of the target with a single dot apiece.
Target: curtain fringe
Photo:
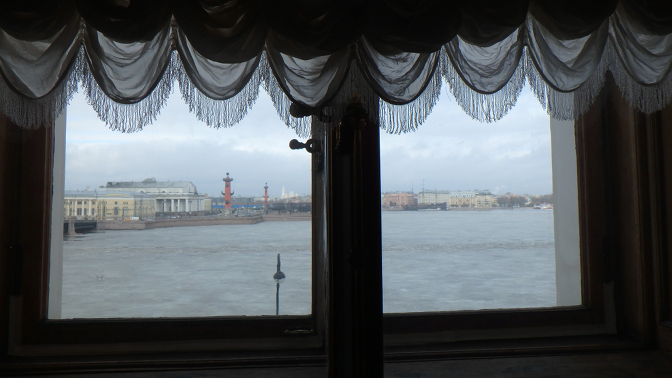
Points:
(130, 118)
(32, 113)
(558, 105)
(281, 102)
(220, 113)
(355, 84)
(394, 119)
(398, 119)
(585, 95)
(484, 107)
(646, 99)
(566, 106)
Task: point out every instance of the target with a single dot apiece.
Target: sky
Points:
(450, 151)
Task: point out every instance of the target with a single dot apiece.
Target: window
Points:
(42, 337)
(395, 325)
(301, 330)
(437, 257)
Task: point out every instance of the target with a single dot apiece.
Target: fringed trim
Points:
(397, 119)
(585, 95)
(484, 107)
(647, 99)
(33, 113)
(355, 85)
(569, 106)
(282, 103)
(130, 118)
(220, 113)
(558, 105)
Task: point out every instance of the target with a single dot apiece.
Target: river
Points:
(432, 261)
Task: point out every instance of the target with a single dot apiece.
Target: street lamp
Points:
(279, 278)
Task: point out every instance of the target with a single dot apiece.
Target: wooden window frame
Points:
(624, 176)
(587, 318)
(400, 328)
(33, 334)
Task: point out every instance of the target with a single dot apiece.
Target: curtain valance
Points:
(128, 54)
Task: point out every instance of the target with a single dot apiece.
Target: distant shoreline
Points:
(119, 225)
(463, 209)
(113, 225)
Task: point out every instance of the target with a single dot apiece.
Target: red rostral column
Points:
(227, 191)
(266, 197)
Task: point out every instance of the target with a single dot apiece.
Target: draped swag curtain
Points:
(126, 55)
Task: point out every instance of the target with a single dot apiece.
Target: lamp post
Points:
(279, 277)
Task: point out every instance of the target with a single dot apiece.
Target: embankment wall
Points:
(181, 222)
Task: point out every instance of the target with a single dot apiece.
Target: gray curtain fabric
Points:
(127, 56)
(397, 78)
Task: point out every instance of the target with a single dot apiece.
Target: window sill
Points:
(312, 363)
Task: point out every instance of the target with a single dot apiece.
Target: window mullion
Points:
(355, 248)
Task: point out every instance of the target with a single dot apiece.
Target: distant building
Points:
(399, 200)
(143, 199)
(108, 205)
(471, 198)
(170, 196)
(457, 198)
(434, 196)
(485, 199)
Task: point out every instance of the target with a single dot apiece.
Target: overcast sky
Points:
(450, 151)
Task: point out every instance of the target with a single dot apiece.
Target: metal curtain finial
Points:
(311, 145)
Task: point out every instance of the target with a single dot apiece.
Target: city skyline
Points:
(448, 151)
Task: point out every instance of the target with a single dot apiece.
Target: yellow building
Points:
(458, 198)
(434, 196)
(108, 205)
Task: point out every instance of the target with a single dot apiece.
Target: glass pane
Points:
(470, 212)
(149, 228)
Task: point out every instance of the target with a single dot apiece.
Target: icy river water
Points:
(432, 261)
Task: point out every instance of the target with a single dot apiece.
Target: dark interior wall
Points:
(10, 143)
(660, 126)
(625, 132)
(629, 209)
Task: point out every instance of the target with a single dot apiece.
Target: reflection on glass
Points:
(468, 214)
(180, 220)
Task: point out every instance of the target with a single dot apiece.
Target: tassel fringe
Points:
(32, 113)
(398, 119)
(281, 102)
(220, 113)
(646, 99)
(130, 118)
(394, 119)
(558, 105)
(484, 107)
